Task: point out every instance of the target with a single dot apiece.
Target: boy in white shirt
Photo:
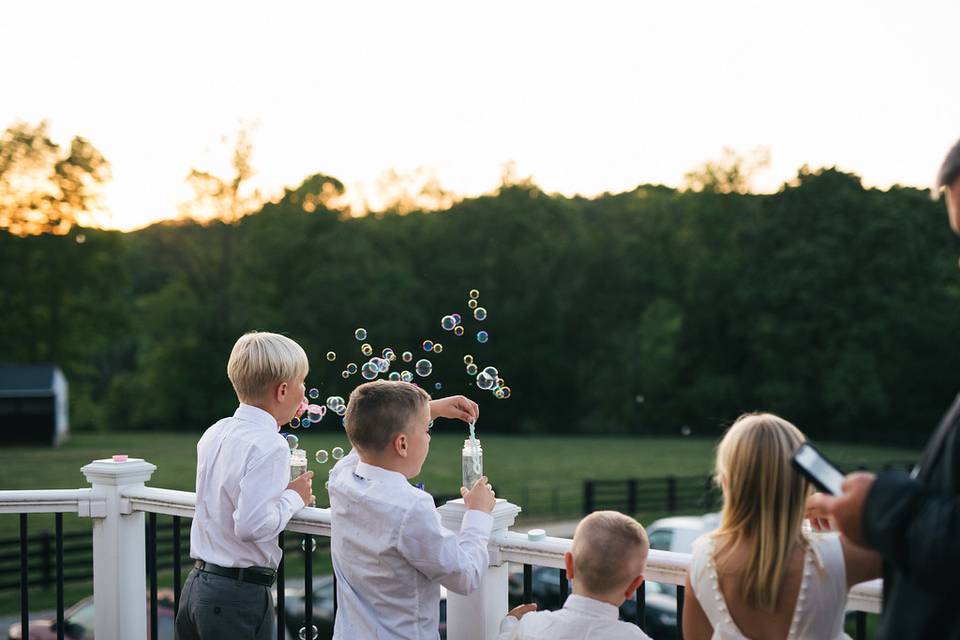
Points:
(244, 496)
(606, 564)
(390, 552)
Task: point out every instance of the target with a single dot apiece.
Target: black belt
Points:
(255, 575)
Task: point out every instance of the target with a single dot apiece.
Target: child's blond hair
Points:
(259, 360)
(604, 544)
(378, 411)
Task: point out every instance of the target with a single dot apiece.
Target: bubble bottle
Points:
(298, 463)
(472, 458)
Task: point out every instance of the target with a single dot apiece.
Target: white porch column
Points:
(477, 616)
(119, 573)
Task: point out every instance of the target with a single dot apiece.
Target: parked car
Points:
(78, 621)
(677, 533)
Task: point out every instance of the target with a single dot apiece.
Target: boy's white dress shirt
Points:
(391, 554)
(243, 468)
(580, 618)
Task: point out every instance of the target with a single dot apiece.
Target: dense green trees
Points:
(639, 312)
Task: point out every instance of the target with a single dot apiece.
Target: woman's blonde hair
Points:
(763, 501)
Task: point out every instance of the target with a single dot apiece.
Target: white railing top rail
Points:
(44, 500)
(508, 546)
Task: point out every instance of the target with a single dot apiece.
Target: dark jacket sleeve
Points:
(915, 529)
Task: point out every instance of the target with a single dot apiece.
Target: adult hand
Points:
(303, 485)
(457, 407)
(846, 510)
(480, 497)
(522, 610)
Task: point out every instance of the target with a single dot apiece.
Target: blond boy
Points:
(606, 564)
(390, 552)
(244, 496)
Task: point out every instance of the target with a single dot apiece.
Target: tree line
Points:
(645, 312)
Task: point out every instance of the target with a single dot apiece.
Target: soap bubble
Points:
(294, 422)
(468, 359)
(424, 368)
(491, 371)
(485, 381)
(313, 633)
(471, 369)
(458, 330)
(326, 485)
(498, 393)
(345, 374)
(388, 354)
(316, 412)
(499, 381)
(352, 368)
(382, 364)
(480, 313)
(322, 456)
(482, 337)
(685, 430)
(306, 422)
(438, 386)
(394, 376)
(448, 323)
(331, 356)
(407, 356)
(313, 544)
(340, 410)
(438, 348)
(427, 345)
(293, 441)
(333, 402)
(472, 304)
(406, 376)
(314, 394)
(505, 392)
(474, 294)
(360, 334)
(337, 453)
(369, 371)
(366, 349)
(457, 318)
(640, 399)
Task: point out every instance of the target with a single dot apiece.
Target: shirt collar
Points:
(256, 415)
(589, 606)
(373, 472)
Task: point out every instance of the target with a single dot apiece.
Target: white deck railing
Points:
(118, 499)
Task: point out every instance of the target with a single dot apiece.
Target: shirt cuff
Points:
(293, 499)
(507, 625)
(477, 520)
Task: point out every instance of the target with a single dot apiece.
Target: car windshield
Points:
(84, 617)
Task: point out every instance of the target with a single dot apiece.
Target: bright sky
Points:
(584, 96)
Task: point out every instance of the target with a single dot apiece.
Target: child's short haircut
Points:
(377, 411)
(260, 360)
(602, 545)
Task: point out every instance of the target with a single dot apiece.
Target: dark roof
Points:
(27, 380)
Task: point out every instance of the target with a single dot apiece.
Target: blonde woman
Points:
(759, 576)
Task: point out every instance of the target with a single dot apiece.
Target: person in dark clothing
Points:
(913, 520)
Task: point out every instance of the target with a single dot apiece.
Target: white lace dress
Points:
(819, 612)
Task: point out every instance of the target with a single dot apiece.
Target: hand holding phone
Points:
(818, 469)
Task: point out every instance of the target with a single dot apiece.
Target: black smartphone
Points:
(818, 469)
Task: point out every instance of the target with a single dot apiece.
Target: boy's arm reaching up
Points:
(457, 561)
(263, 507)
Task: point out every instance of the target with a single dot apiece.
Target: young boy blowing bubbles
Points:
(606, 564)
(244, 497)
(390, 552)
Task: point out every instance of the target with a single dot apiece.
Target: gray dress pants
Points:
(213, 607)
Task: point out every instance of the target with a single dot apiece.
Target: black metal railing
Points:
(56, 564)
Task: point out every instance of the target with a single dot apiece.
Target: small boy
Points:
(606, 564)
(390, 552)
(244, 496)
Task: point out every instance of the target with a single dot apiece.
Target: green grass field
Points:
(525, 470)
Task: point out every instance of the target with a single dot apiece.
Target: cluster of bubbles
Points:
(487, 379)
(322, 456)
